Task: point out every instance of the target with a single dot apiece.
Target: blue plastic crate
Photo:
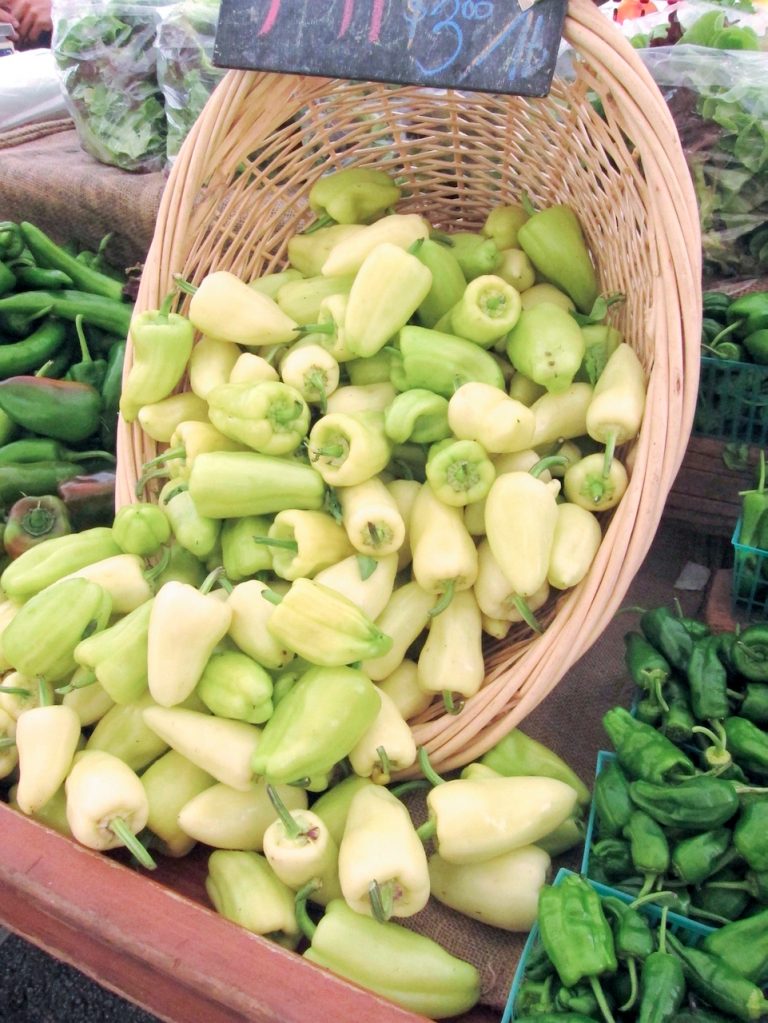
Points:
(732, 401)
(687, 930)
(749, 582)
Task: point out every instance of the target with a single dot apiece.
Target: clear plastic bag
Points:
(30, 90)
(185, 70)
(106, 55)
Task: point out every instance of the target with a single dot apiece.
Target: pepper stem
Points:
(7, 742)
(452, 706)
(632, 970)
(384, 771)
(427, 830)
(271, 596)
(211, 579)
(663, 929)
(427, 769)
(85, 353)
(43, 698)
(305, 922)
(166, 456)
(610, 447)
(160, 565)
(324, 220)
(118, 826)
(417, 785)
(544, 463)
(445, 598)
(16, 691)
(382, 898)
(284, 545)
(597, 991)
(292, 827)
(530, 619)
(87, 678)
(142, 481)
(316, 328)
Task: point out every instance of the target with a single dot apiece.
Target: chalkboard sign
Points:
(505, 46)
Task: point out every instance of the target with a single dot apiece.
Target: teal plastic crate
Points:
(732, 401)
(689, 931)
(749, 581)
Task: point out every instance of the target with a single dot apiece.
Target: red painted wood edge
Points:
(157, 948)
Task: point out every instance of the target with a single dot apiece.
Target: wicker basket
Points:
(238, 190)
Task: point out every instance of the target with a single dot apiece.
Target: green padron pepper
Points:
(316, 724)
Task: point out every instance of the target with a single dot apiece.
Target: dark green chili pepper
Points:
(719, 983)
(20, 324)
(44, 449)
(747, 742)
(707, 680)
(716, 304)
(750, 653)
(677, 722)
(699, 1015)
(110, 394)
(752, 310)
(696, 804)
(696, 858)
(613, 857)
(7, 279)
(62, 409)
(648, 669)
(750, 835)
(576, 935)
(43, 279)
(667, 634)
(643, 751)
(578, 999)
(88, 370)
(110, 315)
(744, 945)
(534, 997)
(11, 241)
(662, 982)
(649, 848)
(538, 965)
(48, 254)
(723, 897)
(33, 479)
(29, 354)
(648, 711)
(633, 940)
(754, 706)
(610, 794)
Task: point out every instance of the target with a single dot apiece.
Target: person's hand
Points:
(33, 18)
(7, 15)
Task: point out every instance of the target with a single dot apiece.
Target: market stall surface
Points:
(35, 988)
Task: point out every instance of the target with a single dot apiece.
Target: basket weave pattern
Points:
(238, 191)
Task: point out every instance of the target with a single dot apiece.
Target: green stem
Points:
(16, 691)
(452, 706)
(427, 830)
(427, 769)
(444, 600)
(85, 354)
(610, 447)
(307, 926)
(88, 679)
(284, 545)
(118, 826)
(7, 743)
(597, 991)
(170, 454)
(382, 900)
(525, 202)
(142, 481)
(386, 764)
(160, 565)
(663, 929)
(211, 579)
(184, 285)
(417, 785)
(292, 827)
(324, 220)
(544, 463)
(632, 970)
(530, 619)
(271, 596)
(43, 698)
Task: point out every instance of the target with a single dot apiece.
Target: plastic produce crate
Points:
(732, 401)
(688, 931)
(749, 580)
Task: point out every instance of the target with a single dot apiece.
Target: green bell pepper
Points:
(316, 724)
(441, 362)
(554, 242)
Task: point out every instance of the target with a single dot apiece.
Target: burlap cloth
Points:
(569, 722)
(47, 178)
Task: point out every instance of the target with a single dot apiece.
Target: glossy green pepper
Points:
(244, 889)
(719, 983)
(554, 242)
(197, 533)
(230, 484)
(744, 945)
(642, 751)
(355, 195)
(406, 967)
(475, 254)
(547, 346)
(51, 560)
(751, 310)
(316, 724)
(613, 804)
(270, 417)
(441, 362)
(123, 733)
(519, 754)
(747, 743)
(448, 280)
(707, 679)
(41, 638)
(118, 655)
(695, 858)
(65, 410)
(694, 804)
(141, 528)
(649, 848)
(233, 685)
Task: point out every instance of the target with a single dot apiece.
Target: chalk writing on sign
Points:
(486, 45)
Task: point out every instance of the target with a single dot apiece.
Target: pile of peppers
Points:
(64, 317)
(736, 329)
(750, 560)
(149, 720)
(600, 957)
(682, 809)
